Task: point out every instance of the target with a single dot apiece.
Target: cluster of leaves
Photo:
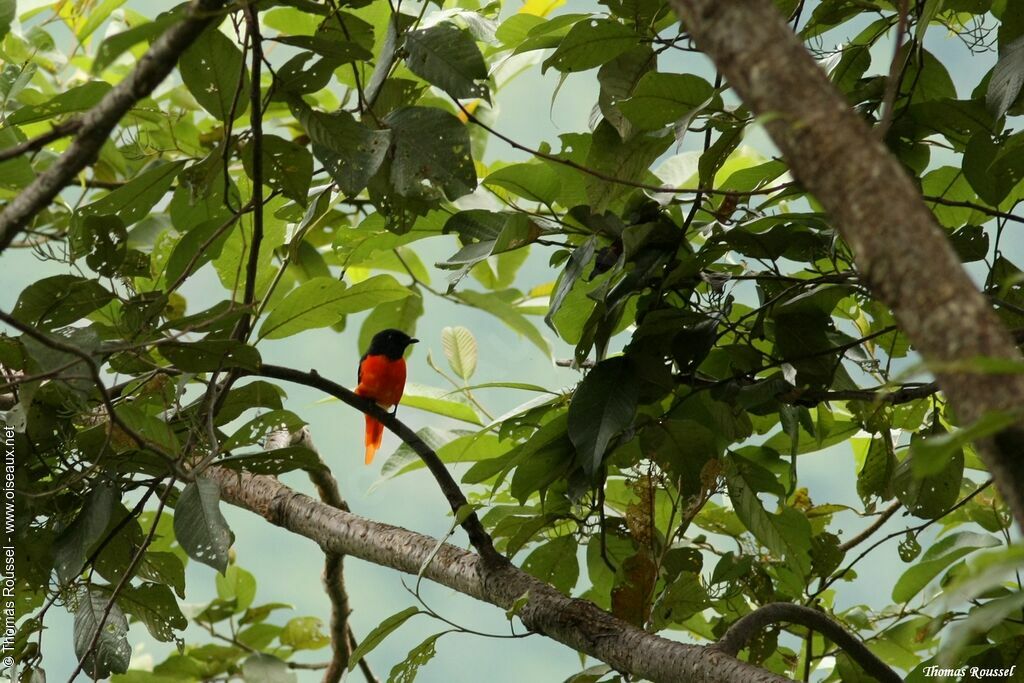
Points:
(748, 340)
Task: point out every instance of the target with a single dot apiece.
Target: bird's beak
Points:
(414, 341)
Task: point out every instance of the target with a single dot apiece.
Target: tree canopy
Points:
(788, 232)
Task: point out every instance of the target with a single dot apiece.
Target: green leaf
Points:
(533, 181)
(875, 476)
(350, 151)
(602, 406)
(579, 259)
(431, 153)
(508, 313)
(72, 545)
(112, 652)
(287, 167)
(324, 301)
(114, 46)
(460, 349)
(684, 598)
(151, 428)
(273, 462)
(399, 315)
(256, 429)
(70, 101)
(929, 489)
(154, 605)
(59, 300)
(135, 200)
(238, 585)
(165, 568)
(213, 69)
(338, 51)
(941, 555)
(8, 10)
(555, 563)
(660, 99)
(199, 526)
(447, 56)
(378, 634)
(15, 173)
(627, 160)
(264, 668)
(304, 633)
(98, 13)
(590, 44)
(786, 534)
(258, 394)
(197, 247)
(210, 355)
(438, 401)
(405, 671)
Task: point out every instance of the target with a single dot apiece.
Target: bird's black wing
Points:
(359, 371)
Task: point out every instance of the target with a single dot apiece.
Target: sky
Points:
(287, 567)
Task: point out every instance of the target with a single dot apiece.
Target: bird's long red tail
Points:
(374, 435)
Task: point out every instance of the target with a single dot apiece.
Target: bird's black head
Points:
(391, 343)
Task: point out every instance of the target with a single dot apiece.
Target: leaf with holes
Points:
(59, 300)
(199, 525)
(210, 69)
(431, 153)
(350, 151)
(447, 56)
(590, 44)
(287, 167)
(153, 605)
(72, 545)
(112, 651)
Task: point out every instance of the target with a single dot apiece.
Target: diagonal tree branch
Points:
(96, 124)
(576, 623)
(901, 253)
(479, 537)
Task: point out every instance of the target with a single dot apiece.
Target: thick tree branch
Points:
(749, 625)
(577, 623)
(900, 251)
(480, 539)
(97, 123)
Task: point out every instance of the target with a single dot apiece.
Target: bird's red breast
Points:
(382, 379)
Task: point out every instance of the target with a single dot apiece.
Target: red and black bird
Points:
(382, 378)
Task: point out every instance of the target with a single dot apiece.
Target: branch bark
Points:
(900, 250)
(577, 623)
(95, 125)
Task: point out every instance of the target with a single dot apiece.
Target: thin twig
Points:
(892, 83)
